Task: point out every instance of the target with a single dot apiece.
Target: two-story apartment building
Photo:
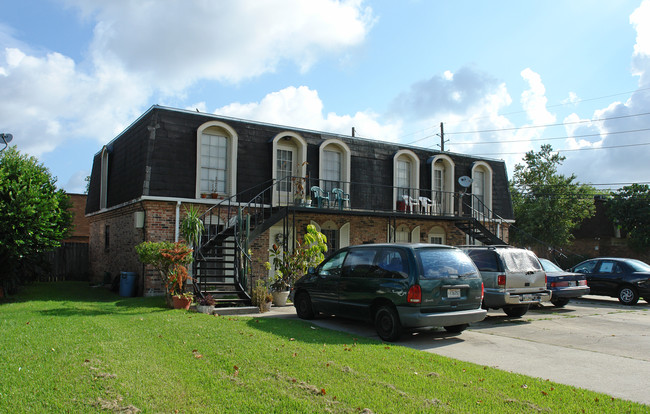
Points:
(262, 184)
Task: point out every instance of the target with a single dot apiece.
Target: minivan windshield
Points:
(440, 263)
(519, 260)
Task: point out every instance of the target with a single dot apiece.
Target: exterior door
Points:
(285, 157)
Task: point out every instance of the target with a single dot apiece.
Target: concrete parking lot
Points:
(593, 343)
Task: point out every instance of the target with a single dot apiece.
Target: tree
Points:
(34, 216)
(548, 205)
(629, 208)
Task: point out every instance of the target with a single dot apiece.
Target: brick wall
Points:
(160, 221)
(81, 225)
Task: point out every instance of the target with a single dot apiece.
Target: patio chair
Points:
(340, 197)
(410, 203)
(425, 205)
(321, 196)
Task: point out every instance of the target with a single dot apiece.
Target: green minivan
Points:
(395, 286)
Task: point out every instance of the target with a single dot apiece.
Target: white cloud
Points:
(639, 19)
(301, 107)
(534, 99)
(183, 41)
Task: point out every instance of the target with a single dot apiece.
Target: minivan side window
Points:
(332, 267)
(485, 260)
(391, 264)
(359, 263)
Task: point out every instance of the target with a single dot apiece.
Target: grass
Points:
(65, 347)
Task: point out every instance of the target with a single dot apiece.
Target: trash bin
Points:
(128, 283)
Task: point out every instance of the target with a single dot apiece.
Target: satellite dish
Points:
(465, 181)
(7, 138)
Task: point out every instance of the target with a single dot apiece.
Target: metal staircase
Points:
(480, 223)
(222, 264)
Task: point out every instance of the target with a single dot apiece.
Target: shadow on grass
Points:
(78, 298)
(334, 330)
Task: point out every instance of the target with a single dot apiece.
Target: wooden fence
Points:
(68, 262)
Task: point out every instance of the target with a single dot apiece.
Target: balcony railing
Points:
(368, 197)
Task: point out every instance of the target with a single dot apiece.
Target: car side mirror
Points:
(311, 270)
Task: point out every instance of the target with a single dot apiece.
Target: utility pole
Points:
(442, 137)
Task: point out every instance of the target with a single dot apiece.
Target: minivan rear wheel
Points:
(456, 328)
(387, 324)
(516, 311)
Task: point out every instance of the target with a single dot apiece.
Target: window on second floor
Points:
(216, 159)
(482, 187)
(334, 166)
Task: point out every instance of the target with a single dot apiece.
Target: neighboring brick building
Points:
(70, 260)
(169, 159)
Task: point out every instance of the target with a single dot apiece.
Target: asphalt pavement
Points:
(593, 343)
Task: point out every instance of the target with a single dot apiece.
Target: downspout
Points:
(176, 227)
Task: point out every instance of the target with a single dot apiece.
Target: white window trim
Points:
(415, 172)
(488, 180)
(231, 135)
(103, 181)
(448, 185)
(300, 169)
(346, 161)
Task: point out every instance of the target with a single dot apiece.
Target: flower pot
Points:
(280, 298)
(205, 309)
(181, 302)
(215, 195)
(204, 195)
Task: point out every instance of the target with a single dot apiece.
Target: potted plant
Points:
(261, 296)
(206, 304)
(170, 259)
(289, 266)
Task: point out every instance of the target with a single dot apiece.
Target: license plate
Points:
(572, 284)
(528, 298)
(453, 293)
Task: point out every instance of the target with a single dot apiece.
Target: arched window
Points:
(103, 182)
(406, 175)
(442, 184)
(482, 187)
(334, 165)
(216, 154)
(437, 235)
(289, 167)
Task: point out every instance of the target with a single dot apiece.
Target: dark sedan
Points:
(626, 279)
(564, 285)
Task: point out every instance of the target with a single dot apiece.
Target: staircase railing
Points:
(480, 213)
(236, 216)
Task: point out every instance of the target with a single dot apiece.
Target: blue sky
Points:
(503, 76)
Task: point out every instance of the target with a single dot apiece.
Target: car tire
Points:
(628, 295)
(456, 328)
(559, 302)
(387, 324)
(304, 307)
(516, 311)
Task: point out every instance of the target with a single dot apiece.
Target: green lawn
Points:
(65, 347)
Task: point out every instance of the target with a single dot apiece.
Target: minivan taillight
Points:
(501, 280)
(482, 291)
(415, 294)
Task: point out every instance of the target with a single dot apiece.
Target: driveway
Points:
(593, 343)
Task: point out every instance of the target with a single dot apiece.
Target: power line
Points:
(548, 125)
(518, 112)
(571, 150)
(549, 139)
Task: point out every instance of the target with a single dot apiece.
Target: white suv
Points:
(513, 278)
